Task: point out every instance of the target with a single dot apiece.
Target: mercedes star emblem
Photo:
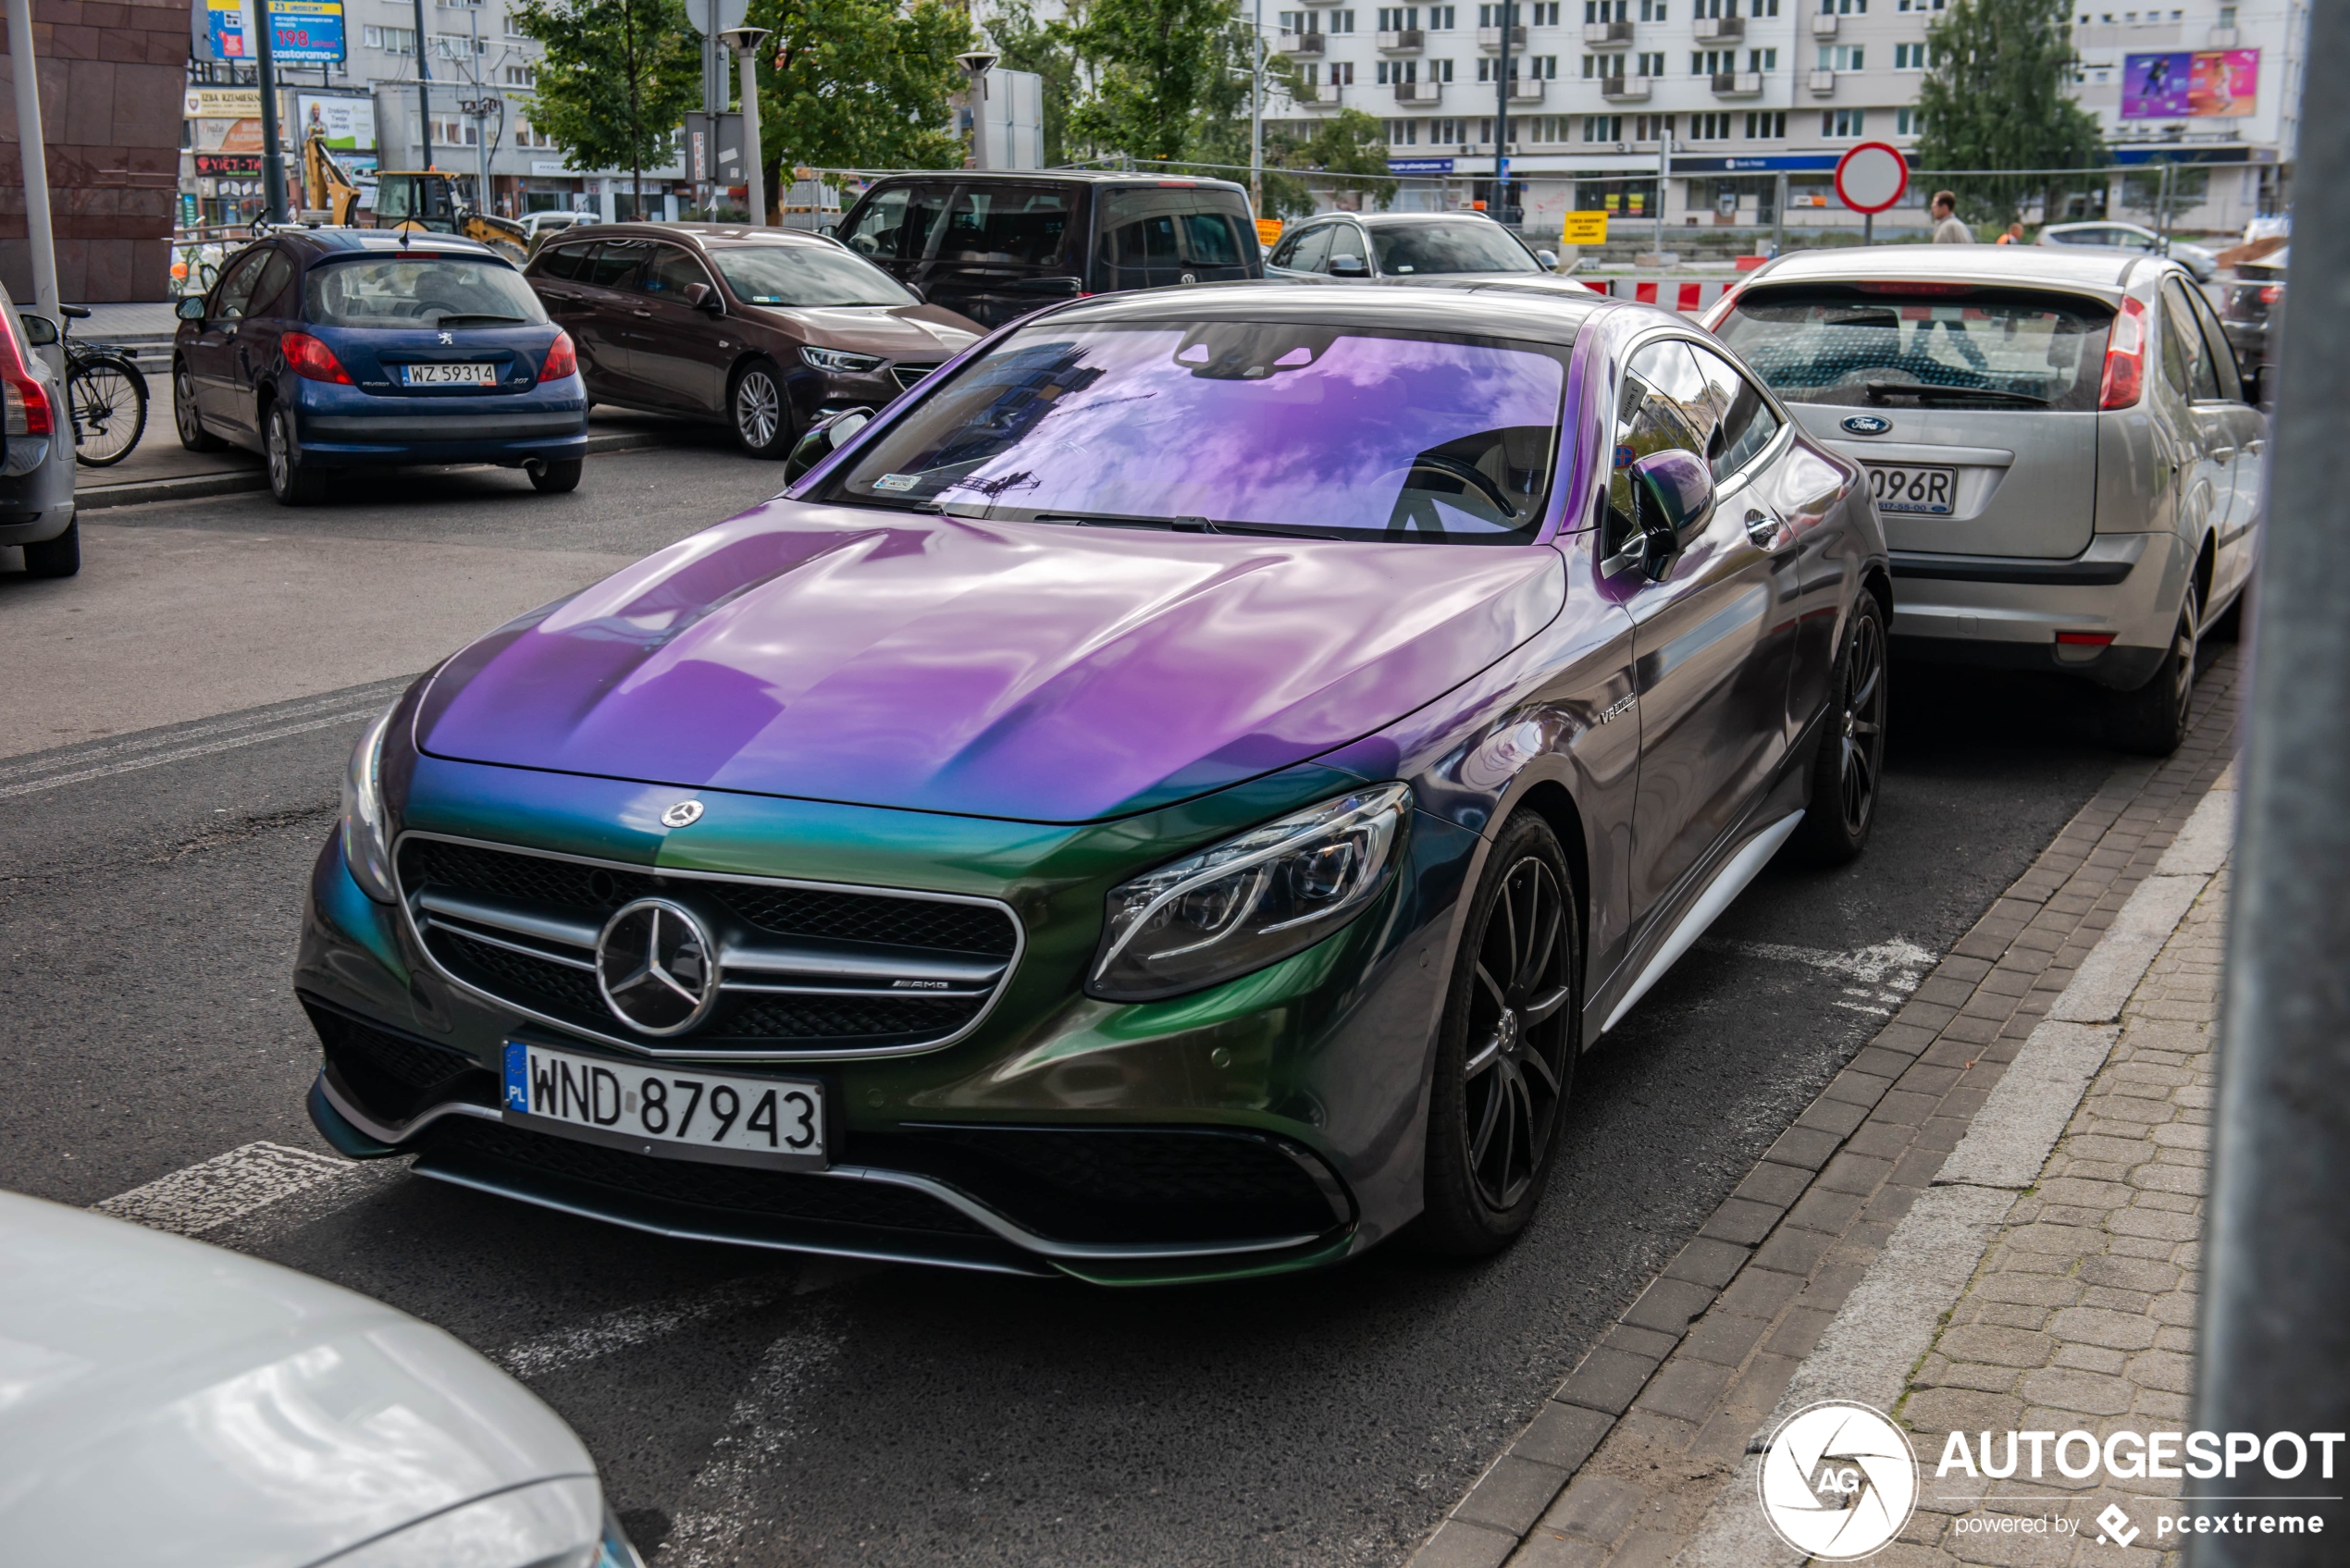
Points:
(685, 814)
(657, 967)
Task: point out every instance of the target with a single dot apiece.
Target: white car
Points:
(2065, 459)
(166, 1402)
(2131, 237)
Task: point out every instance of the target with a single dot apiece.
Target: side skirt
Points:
(1727, 884)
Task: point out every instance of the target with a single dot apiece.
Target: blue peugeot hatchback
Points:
(327, 349)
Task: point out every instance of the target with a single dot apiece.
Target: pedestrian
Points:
(1948, 229)
(2014, 236)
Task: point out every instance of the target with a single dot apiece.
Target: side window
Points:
(1747, 423)
(2216, 347)
(614, 259)
(269, 293)
(1347, 240)
(1286, 248)
(565, 264)
(1007, 225)
(1313, 252)
(236, 288)
(897, 226)
(1211, 239)
(667, 273)
(2183, 346)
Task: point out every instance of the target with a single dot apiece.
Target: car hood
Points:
(162, 1400)
(899, 331)
(1029, 671)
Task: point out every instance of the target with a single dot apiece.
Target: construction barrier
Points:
(1686, 295)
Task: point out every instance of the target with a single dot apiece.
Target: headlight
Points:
(1250, 901)
(558, 1523)
(366, 842)
(841, 360)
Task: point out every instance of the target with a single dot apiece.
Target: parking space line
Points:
(212, 1193)
(630, 1327)
(723, 1503)
(342, 715)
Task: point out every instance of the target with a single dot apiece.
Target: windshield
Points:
(1461, 246)
(1230, 425)
(1863, 347)
(804, 275)
(412, 292)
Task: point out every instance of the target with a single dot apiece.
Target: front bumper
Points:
(338, 426)
(1268, 1124)
(2005, 613)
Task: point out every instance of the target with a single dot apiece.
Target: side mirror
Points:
(915, 290)
(1550, 260)
(701, 296)
(824, 437)
(191, 307)
(1673, 496)
(1349, 266)
(38, 330)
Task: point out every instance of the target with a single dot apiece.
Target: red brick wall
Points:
(113, 88)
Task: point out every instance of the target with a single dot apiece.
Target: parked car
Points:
(2250, 308)
(541, 224)
(996, 246)
(764, 330)
(329, 349)
(1170, 797)
(36, 450)
(2068, 467)
(2131, 237)
(169, 1401)
(1411, 247)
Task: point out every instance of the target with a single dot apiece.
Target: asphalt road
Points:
(757, 1409)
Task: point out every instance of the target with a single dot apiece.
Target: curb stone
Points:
(233, 481)
(1635, 1446)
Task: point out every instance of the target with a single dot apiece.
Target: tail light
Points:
(561, 359)
(28, 402)
(311, 360)
(2271, 293)
(2125, 358)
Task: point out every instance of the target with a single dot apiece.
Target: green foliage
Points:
(859, 84)
(618, 76)
(1048, 49)
(1349, 141)
(1996, 99)
(1155, 64)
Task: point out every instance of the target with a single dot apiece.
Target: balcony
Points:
(1625, 89)
(1720, 30)
(1318, 95)
(1490, 38)
(1410, 41)
(2221, 38)
(1737, 84)
(1527, 89)
(1824, 26)
(1301, 44)
(1607, 35)
(1419, 95)
(1823, 83)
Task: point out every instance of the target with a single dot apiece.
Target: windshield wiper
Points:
(1099, 520)
(1880, 391)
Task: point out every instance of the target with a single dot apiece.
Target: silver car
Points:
(36, 458)
(2065, 463)
(1409, 248)
(2134, 236)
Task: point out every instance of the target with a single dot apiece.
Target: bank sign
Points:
(303, 33)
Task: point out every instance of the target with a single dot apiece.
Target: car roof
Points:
(1397, 220)
(707, 234)
(2091, 269)
(326, 240)
(1483, 311)
(1061, 176)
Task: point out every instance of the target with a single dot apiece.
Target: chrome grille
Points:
(805, 970)
(906, 374)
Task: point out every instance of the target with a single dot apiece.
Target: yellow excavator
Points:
(421, 201)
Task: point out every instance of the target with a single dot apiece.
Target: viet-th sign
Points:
(2201, 85)
(302, 31)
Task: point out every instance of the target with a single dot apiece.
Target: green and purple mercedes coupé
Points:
(1169, 798)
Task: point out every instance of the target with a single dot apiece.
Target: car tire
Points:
(759, 410)
(559, 477)
(60, 557)
(193, 435)
(2152, 720)
(293, 482)
(1848, 766)
(1506, 1048)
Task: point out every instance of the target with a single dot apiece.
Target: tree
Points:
(1050, 49)
(1994, 98)
(1349, 142)
(1157, 64)
(618, 76)
(859, 84)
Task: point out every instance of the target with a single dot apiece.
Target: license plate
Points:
(658, 1109)
(448, 375)
(1906, 488)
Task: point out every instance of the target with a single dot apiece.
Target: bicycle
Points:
(107, 394)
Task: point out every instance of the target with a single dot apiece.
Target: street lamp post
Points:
(976, 65)
(273, 157)
(743, 41)
(423, 89)
(1256, 115)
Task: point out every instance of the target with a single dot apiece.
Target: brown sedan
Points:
(763, 329)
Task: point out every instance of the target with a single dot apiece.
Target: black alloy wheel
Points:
(2153, 720)
(1505, 1057)
(558, 477)
(1849, 768)
(193, 435)
(760, 410)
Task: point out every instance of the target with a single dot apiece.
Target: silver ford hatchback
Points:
(2065, 462)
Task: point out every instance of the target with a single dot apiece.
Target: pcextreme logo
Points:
(1838, 1481)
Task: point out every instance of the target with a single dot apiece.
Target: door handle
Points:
(645, 314)
(1764, 531)
(2223, 454)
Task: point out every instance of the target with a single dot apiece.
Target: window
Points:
(1458, 245)
(1743, 422)
(1440, 70)
(1604, 68)
(1936, 5)
(1652, 11)
(1762, 60)
(1403, 132)
(1552, 128)
(1651, 65)
(455, 46)
(1709, 128)
(1821, 345)
(2184, 363)
(1766, 125)
(1301, 21)
(1607, 10)
(1342, 73)
(1909, 58)
(1844, 7)
(1842, 122)
(1652, 128)
(1445, 133)
(1490, 15)
(1603, 128)
(1440, 19)
(1342, 21)
(522, 76)
(1707, 62)
(528, 135)
(1304, 249)
(1394, 73)
(1763, 8)
(897, 226)
(1909, 122)
(1841, 57)
(1543, 67)
(393, 40)
(1663, 390)
(1399, 18)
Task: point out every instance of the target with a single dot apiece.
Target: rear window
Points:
(804, 275)
(1459, 245)
(1007, 226)
(1864, 347)
(411, 291)
(1150, 237)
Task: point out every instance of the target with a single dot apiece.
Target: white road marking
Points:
(722, 1504)
(1896, 964)
(154, 751)
(226, 1187)
(630, 1327)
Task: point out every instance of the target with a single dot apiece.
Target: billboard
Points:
(2197, 84)
(304, 33)
(350, 123)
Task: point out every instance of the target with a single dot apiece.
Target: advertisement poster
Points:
(2201, 85)
(350, 123)
(305, 33)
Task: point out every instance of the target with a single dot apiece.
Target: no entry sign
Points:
(1871, 177)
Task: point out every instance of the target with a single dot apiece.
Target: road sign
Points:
(1584, 229)
(1871, 177)
(1269, 231)
(729, 15)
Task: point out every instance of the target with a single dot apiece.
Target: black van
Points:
(994, 246)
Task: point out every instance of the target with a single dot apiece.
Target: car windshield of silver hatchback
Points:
(406, 292)
(1895, 345)
(804, 275)
(1454, 245)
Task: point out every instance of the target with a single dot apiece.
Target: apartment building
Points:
(1706, 105)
